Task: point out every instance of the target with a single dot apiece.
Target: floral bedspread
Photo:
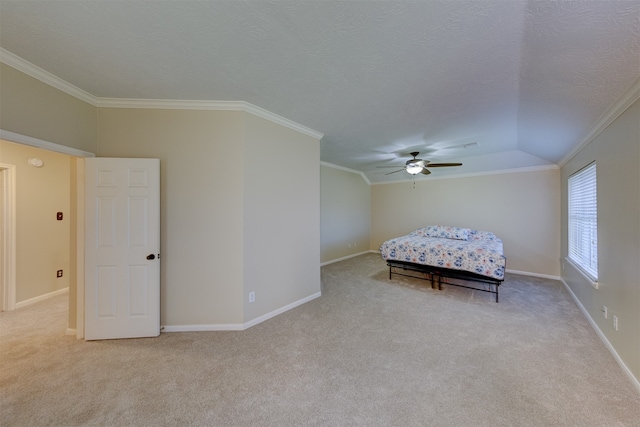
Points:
(476, 251)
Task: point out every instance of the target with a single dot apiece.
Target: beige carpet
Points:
(369, 352)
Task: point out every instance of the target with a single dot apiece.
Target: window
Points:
(583, 221)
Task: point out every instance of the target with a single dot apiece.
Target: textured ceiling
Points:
(526, 80)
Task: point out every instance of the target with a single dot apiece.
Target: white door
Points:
(122, 266)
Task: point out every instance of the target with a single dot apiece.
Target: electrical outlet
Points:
(615, 322)
(252, 296)
(59, 273)
(604, 311)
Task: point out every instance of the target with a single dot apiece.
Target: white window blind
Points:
(583, 221)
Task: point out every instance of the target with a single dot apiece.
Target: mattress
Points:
(475, 251)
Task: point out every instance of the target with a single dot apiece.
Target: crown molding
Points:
(617, 108)
(170, 104)
(475, 174)
(267, 115)
(38, 73)
(184, 104)
(40, 143)
(342, 168)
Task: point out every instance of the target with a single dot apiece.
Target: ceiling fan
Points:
(416, 166)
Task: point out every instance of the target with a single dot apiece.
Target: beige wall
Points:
(239, 210)
(201, 155)
(523, 209)
(32, 108)
(281, 215)
(345, 212)
(616, 152)
(42, 242)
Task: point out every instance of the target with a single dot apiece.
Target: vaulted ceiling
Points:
(526, 80)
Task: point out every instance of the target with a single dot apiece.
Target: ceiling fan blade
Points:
(442, 165)
(399, 170)
(390, 166)
(425, 171)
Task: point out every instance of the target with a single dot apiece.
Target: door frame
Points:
(77, 247)
(8, 277)
(79, 244)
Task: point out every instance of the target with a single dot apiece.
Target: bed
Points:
(451, 255)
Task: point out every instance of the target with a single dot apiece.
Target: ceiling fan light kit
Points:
(414, 167)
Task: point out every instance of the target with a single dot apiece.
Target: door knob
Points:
(151, 256)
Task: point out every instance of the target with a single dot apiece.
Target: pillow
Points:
(446, 232)
(482, 235)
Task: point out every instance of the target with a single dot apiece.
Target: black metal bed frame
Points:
(441, 273)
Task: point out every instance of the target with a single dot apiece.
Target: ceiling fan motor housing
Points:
(414, 161)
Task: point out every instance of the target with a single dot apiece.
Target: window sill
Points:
(579, 270)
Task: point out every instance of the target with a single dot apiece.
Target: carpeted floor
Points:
(370, 352)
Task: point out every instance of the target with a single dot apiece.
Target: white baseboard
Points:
(280, 310)
(347, 257)
(238, 326)
(41, 298)
(527, 273)
(607, 344)
(203, 328)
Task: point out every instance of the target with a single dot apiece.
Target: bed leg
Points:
(389, 272)
(497, 286)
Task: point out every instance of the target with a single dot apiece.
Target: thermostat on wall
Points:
(36, 162)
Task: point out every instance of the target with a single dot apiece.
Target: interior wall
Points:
(281, 216)
(42, 242)
(345, 213)
(521, 208)
(201, 211)
(33, 108)
(616, 152)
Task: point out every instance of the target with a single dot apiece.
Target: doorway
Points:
(76, 220)
(36, 224)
